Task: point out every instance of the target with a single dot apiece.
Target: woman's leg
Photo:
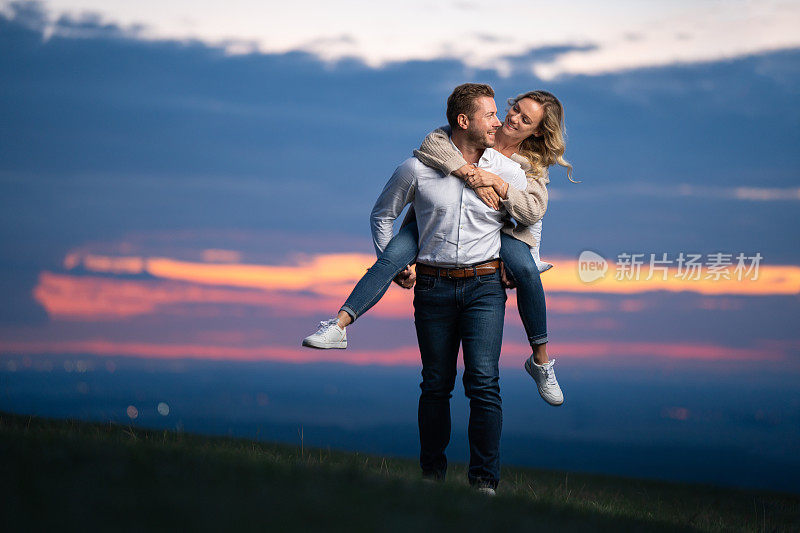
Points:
(519, 263)
(399, 253)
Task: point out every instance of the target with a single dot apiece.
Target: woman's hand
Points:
(483, 178)
(508, 282)
(465, 171)
(489, 197)
(485, 192)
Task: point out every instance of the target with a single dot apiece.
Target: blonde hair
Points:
(547, 149)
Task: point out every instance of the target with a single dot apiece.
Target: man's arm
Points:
(397, 193)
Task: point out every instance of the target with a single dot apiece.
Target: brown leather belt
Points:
(490, 267)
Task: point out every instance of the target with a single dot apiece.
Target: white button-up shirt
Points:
(455, 227)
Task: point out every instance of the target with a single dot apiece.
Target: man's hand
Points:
(407, 278)
(508, 282)
(489, 197)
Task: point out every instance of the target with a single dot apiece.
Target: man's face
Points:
(483, 123)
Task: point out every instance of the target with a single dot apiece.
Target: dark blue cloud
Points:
(102, 133)
(109, 102)
(521, 63)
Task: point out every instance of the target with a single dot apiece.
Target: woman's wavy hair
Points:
(547, 149)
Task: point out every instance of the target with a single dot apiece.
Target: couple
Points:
(463, 194)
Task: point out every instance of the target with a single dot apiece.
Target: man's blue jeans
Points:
(402, 251)
(448, 313)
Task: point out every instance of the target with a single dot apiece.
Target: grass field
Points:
(69, 475)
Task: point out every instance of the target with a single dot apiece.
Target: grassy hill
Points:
(58, 475)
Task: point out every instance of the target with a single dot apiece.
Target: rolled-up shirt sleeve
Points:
(397, 194)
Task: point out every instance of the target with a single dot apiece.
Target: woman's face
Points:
(523, 119)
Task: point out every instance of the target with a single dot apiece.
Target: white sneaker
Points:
(328, 335)
(545, 378)
(485, 488)
(489, 491)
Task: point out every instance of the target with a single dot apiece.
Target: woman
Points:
(531, 135)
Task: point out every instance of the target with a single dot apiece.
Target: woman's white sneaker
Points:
(328, 335)
(545, 378)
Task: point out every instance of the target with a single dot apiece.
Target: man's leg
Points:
(481, 324)
(436, 321)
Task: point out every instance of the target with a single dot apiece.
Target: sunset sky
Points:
(184, 180)
(154, 179)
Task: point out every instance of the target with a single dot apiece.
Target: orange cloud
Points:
(98, 298)
(320, 284)
(322, 272)
(313, 272)
(772, 280)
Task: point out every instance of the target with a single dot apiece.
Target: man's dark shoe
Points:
(433, 477)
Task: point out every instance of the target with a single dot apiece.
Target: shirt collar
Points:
(486, 157)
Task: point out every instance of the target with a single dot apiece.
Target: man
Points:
(458, 297)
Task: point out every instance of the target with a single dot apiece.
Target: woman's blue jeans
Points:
(519, 264)
(402, 251)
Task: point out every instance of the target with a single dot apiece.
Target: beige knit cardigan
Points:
(527, 207)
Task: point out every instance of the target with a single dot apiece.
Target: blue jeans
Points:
(519, 264)
(399, 253)
(402, 251)
(448, 313)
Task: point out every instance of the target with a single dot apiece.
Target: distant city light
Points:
(676, 413)
(133, 412)
(163, 409)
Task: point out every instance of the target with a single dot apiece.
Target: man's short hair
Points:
(462, 100)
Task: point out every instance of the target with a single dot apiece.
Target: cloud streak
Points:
(103, 299)
(666, 32)
(329, 274)
(680, 190)
(404, 355)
